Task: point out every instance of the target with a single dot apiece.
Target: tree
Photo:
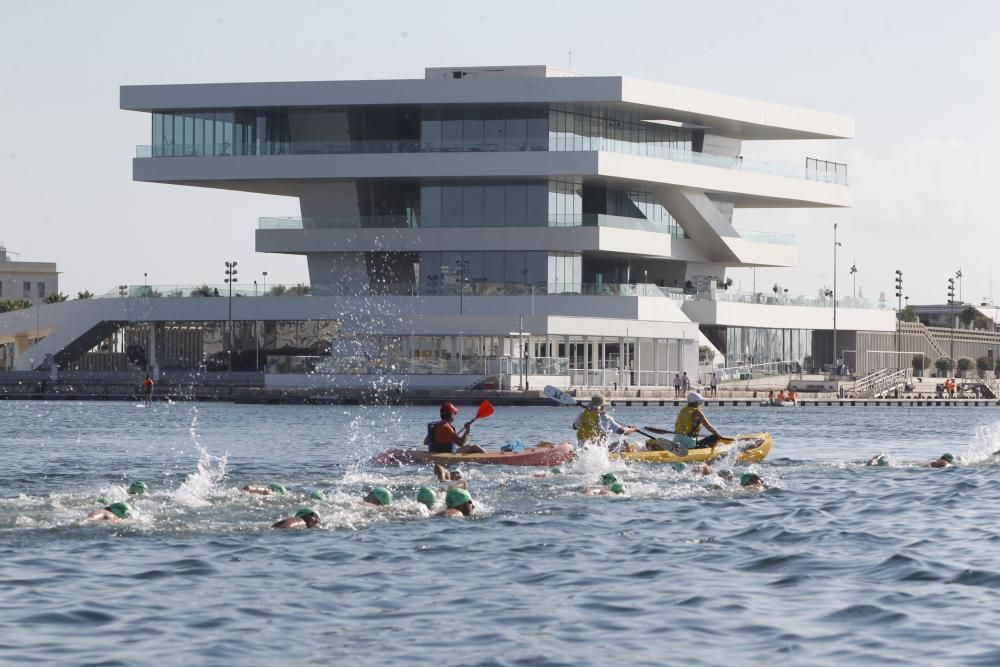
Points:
(908, 314)
(9, 305)
(298, 290)
(965, 365)
(705, 354)
(920, 363)
(204, 290)
(984, 364)
(58, 297)
(85, 294)
(278, 290)
(944, 364)
(968, 315)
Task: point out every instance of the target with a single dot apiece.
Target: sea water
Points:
(837, 563)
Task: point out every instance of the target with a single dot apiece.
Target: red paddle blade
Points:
(485, 410)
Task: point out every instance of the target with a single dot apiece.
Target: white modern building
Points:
(493, 223)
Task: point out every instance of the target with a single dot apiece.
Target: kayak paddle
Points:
(721, 440)
(484, 411)
(559, 396)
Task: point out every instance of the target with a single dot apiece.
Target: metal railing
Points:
(780, 299)
(815, 170)
(309, 364)
(881, 382)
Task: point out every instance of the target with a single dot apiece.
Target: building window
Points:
(41, 290)
(27, 290)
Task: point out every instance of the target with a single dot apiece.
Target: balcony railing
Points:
(814, 170)
(452, 288)
(771, 299)
(414, 220)
(770, 238)
(418, 365)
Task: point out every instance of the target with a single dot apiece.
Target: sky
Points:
(919, 78)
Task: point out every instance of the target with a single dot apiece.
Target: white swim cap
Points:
(695, 397)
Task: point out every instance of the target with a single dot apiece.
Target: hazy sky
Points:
(920, 78)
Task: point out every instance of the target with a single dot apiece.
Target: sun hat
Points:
(695, 397)
(597, 401)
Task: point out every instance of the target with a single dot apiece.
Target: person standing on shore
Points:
(147, 391)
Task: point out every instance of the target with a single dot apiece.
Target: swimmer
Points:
(459, 503)
(115, 513)
(317, 495)
(304, 518)
(943, 461)
(450, 474)
(270, 489)
(613, 489)
(702, 469)
(878, 460)
(680, 466)
(427, 496)
(752, 481)
(379, 497)
(554, 470)
(138, 489)
(726, 475)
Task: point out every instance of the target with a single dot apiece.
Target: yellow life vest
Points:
(686, 424)
(589, 427)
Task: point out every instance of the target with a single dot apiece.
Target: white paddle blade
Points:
(558, 395)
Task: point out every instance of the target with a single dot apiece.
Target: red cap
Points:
(449, 409)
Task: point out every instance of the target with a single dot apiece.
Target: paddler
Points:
(943, 461)
(689, 423)
(442, 438)
(594, 425)
(304, 518)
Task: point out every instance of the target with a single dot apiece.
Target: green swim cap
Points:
(426, 495)
(304, 512)
(103, 500)
(120, 510)
(680, 466)
(456, 497)
(277, 488)
(617, 487)
(381, 494)
(948, 457)
(555, 470)
(138, 488)
(748, 478)
(317, 495)
(726, 474)
(609, 478)
(882, 460)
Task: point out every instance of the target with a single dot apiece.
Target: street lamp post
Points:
(958, 274)
(951, 316)
(264, 288)
(462, 265)
(899, 314)
(836, 244)
(854, 280)
(231, 273)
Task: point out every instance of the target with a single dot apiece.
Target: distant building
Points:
(26, 280)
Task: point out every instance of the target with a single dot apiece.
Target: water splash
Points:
(196, 488)
(985, 442)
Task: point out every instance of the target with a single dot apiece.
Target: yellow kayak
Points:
(754, 446)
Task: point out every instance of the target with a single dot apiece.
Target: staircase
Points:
(881, 382)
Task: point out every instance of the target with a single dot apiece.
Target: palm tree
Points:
(58, 297)
(85, 294)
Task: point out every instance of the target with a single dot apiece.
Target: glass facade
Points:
(484, 129)
(474, 205)
(581, 129)
(490, 266)
(752, 345)
(206, 133)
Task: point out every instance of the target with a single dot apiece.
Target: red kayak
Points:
(545, 454)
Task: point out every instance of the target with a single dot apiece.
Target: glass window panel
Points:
(517, 134)
(157, 140)
(536, 267)
(188, 134)
(209, 134)
(451, 206)
(199, 135)
(535, 205)
(472, 206)
(493, 267)
(495, 135)
(451, 135)
(494, 205)
(515, 269)
(430, 134)
(538, 134)
(516, 205)
(178, 134)
(474, 267)
(472, 135)
(168, 135)
(430, 206)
